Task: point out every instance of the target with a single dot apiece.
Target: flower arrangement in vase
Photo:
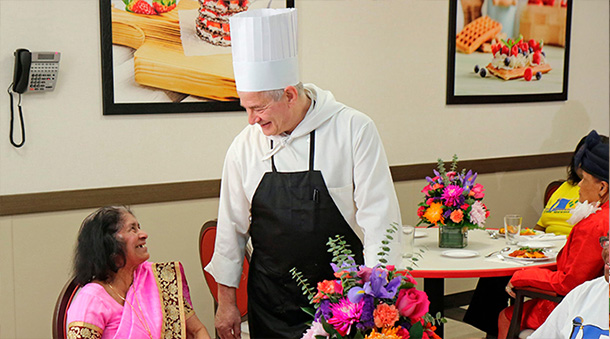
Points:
(366, 303)
(453, 202)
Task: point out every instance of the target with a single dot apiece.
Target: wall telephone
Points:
(34, 72)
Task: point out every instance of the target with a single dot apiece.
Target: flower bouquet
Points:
(453, 200)
(366, 303)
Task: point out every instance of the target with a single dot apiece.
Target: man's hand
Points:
(228, 318)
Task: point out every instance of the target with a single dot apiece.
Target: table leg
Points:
(435, 289)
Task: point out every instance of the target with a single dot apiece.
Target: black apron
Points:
(293, 215)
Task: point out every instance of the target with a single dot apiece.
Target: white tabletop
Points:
(432, 264)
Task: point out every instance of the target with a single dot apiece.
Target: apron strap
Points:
(273, 160)
(312, 148)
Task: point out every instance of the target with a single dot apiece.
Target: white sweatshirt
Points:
(348, 152)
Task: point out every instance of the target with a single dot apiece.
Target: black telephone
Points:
(34, 72)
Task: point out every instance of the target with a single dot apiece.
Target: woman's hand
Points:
(509, 290)
(195, 329)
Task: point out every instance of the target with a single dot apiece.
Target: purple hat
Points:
(592, 156)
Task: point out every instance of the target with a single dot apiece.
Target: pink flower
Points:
(451, 175)
(477, 191)
(477, 213)
(464, 207)
(452, 194)
(420, 211)
(316, 329)
(365, 273)
(390, 267)
(426, 189)
(345, 314)
(403, 333)
(457, 216)
(429, 201)
(412, 303)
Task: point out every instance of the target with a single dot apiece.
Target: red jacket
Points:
(578, 261)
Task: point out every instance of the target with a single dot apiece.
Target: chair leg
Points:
(515, 322)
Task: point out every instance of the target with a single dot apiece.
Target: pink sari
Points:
(157, 301)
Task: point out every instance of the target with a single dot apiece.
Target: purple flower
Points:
(452, 194)
(348, 265)
(378, 285)
(355, 294)
(367, 319)
(324, 310)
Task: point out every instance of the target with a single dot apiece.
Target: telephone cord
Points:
(10, 93)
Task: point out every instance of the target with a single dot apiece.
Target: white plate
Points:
(550, 254)
(420, 234)
(460, 253)
(536, 244)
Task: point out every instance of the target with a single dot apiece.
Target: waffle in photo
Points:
(476, 33)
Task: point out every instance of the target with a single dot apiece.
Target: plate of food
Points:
(524, 232)
(526, 253)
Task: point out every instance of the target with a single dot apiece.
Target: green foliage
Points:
(342, 255)
(308, 291)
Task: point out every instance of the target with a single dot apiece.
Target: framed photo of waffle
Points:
(506, 51)
(170, 56)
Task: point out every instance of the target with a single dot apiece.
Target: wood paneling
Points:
(155, 193)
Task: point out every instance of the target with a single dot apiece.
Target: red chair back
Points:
(64, 300)
(550, 189)
(207, 239)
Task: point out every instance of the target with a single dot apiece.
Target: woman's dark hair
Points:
(98, 252)
(573, 178)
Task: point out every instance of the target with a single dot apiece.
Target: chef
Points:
(307, 168)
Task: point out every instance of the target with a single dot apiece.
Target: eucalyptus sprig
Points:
(308, 291)
(385, 243)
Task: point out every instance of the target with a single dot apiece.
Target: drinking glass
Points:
(408, 240)
(512, 228)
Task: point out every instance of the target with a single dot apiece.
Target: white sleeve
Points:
(374, 196)
(233, 224)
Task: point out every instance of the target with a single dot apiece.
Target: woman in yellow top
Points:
(557, 210)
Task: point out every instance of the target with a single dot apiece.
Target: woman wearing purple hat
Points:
(576, 262)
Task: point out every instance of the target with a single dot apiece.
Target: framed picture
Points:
(506, 51)
(170, 56)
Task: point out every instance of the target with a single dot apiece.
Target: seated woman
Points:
(576, 262)
(554, 217)
(124, 295)
(582, 313)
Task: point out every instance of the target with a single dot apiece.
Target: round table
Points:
(435, 267)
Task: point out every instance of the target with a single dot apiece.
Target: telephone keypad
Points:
(43, 76)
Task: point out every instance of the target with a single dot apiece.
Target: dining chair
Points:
(64, 300)
(207, 238)
(550, 189)
(521, 293)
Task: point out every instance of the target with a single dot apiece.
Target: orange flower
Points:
(385, 315)
(385, 333)
(434, 213)
(457, 216)
(328, 287)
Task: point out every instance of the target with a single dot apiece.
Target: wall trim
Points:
(155, 193)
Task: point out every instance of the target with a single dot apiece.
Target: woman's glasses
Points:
(603, 241)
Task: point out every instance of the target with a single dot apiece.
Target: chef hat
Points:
(264, 47)
(593, 155)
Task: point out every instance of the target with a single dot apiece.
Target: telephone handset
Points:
(35, 71)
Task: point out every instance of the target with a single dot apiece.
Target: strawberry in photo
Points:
(139, 7)
(162, 6)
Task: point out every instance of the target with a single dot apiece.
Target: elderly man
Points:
(306, 168)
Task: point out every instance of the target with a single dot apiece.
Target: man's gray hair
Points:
(276, 94)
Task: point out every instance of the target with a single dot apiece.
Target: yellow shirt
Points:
(557, 210)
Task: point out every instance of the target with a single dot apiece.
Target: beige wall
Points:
(36, 250)
(386, 58)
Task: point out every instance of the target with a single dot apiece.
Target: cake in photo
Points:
(212, 23)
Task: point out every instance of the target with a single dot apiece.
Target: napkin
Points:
(500, 259)
(541, 237)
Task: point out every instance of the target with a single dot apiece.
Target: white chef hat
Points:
(264, 47)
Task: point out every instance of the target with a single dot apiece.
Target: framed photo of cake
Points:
(507, 51)
(170, 56)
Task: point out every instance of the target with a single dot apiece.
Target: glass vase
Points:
(452, 237)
